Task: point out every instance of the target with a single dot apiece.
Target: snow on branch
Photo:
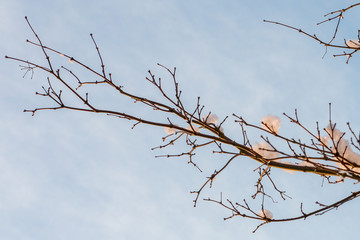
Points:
(327, 152)
(350, 46)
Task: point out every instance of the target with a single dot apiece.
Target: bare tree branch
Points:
(325, 152)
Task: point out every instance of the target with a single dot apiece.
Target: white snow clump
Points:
(169, 130)
(263, 149)
(193, 128)
(271, 123)
(325, 140)
(353, 43)
(306, 164)
(212, 118)
(265, 213)
(288, 170)
(343, 146)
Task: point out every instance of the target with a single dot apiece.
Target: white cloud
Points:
(17, 186)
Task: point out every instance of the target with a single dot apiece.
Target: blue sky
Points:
(68, 175)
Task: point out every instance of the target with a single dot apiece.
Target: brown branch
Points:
(197, 131)
(211, 179)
